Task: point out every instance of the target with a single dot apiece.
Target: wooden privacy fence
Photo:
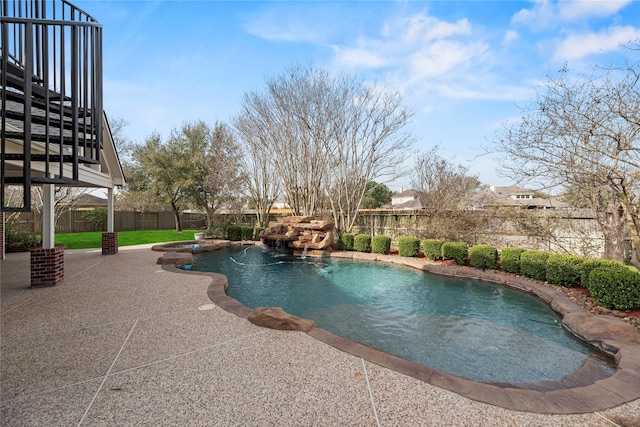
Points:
(557, 231)
(73, 221)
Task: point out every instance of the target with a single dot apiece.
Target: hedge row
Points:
(484, 256)
(611, 284)
(408, 246)
(364, 243)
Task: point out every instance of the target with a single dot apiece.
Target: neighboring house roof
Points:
(405, 200)
(515, 196)
(89, 200)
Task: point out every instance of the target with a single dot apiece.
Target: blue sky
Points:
(464, 67)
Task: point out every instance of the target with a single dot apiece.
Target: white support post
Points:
(110, 209)
(48, 216)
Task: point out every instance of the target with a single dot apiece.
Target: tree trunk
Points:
(176, 214)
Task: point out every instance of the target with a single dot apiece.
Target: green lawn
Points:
(125, 238)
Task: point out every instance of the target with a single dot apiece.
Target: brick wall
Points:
(47, 266)
(109, 243)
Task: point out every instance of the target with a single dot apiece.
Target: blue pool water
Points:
(468, 328)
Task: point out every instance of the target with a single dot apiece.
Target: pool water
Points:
(467, 328)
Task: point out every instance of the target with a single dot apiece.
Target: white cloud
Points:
(577, 46)
(359, 57)
(580, 9)
(510, 36)
(423, 28)
(275, 27)
(547, 13)
(541, 15)
(444, 57)
(427, 45)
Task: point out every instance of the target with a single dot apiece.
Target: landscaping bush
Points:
(564, 270)
(408, 246)
(432, 249)
(380, 244)
(362, 243)
(484, 256)
(256, 232)
(533, 264)
(234, 233)
(456, 251)
(17, 239)
(510, 259)
(246, 232)
(591, 264)
(615, 287)
(345, 242)
(98, 217)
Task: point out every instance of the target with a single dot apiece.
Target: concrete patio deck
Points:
(122, 341)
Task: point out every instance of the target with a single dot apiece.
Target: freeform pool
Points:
(466, 328)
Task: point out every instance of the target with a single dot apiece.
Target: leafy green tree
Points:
(161, 172)
(376, 195)
(216, 174)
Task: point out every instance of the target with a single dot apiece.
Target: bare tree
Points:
(584, 134)
(369, 144)
(124, 146)
(441, 184)
(326, 136)
(65, 199)
(260, 178)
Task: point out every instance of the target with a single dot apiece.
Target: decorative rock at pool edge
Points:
(277, 318)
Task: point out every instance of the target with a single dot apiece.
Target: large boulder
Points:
(277, 318)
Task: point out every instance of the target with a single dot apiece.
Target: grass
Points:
(93, 239)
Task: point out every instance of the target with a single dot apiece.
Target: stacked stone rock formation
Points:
(300, 232)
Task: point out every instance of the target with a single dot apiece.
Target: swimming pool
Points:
(467, 328)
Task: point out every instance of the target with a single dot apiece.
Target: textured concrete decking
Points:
(122, 341)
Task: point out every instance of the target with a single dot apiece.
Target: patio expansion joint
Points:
(104, 379)
(187, 353)
(607, 419)
(373, 402)
(86, 269)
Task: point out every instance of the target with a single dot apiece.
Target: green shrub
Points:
(564, 270)
(17, 238)
(484, 256)
(345, 242)
(591, 264)
(98, 217)
(432, 249)
(456, 251)
(234, 233)
(246, 232)
(533, 264)
(256, 232)
(510, 259)
(362, 243)
(615, 287)
(408, 246)
(381, 244)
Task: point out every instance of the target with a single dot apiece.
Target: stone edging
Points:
(582, 394)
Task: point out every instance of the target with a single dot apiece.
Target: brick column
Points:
(1, 235)
(47, 266)
(109, 243)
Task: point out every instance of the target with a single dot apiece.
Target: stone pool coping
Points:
(581, 393)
